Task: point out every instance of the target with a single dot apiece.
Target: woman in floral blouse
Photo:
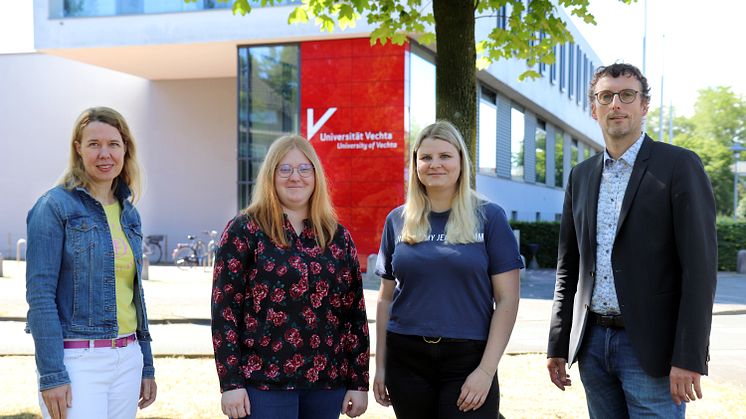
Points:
(289, 327)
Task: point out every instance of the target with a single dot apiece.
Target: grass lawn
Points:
(188, 388)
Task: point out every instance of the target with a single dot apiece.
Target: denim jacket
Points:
(70, 282)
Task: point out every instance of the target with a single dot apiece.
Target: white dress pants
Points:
(105, 382)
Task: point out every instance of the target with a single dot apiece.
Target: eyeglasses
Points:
(605, 97)
(286, 170)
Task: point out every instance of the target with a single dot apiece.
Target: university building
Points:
(206, 92)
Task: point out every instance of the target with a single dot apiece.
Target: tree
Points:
(719, 120)
(533, 28)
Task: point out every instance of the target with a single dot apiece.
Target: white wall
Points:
(40, 98)
(185, 132)
(190, 158)
(524, 198)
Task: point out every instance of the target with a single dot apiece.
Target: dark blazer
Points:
(664, 259)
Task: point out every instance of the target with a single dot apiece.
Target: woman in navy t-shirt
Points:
(449, 295)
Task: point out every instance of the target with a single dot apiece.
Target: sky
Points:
(694, 44)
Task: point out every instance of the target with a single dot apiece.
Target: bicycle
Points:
(151, 248)
(194, 253)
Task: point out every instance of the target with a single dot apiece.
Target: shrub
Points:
(543, 233)
(731, 238)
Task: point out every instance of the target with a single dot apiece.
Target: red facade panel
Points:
(352, 112)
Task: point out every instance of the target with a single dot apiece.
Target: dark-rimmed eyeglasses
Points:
(605, 97)
(286, 170)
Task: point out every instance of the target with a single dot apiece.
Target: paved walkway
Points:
(179, 310)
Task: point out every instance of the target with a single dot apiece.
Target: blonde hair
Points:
(75, 174)
(265, 206)
(463, 220)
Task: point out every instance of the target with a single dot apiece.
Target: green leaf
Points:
(242, 7)
(298, 15)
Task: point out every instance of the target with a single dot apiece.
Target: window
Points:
(502, 17)
(542, 66)
(573, 153)
(517, 132)
(570, 71)
(421, 94)
(487, 134)
(579, 77)
(541, 152)
(562, 68)
(584, 92)
(77, 8)
(553, 67)
(268, 106)
(587, 152)
(559, 158)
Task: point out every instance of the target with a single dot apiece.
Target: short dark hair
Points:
(616, 70)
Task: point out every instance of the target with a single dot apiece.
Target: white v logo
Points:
(311, 127)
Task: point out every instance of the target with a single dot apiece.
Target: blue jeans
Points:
(615, 384)
(295, 404)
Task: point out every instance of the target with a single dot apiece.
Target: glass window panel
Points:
(559, 158)
(268, 106)
(487, 133)
(541, 152)
(574, 153)
(517, 132)
(75, 8)
(570, 71)
(422, 94)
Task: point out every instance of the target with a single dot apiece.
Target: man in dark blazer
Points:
(637, 264)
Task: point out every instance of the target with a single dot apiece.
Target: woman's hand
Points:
(380, 392)
(474, 391)
(148, 391)
(235, 403)
(58, 400)
(355, 403)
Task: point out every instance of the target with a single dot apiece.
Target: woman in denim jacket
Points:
(83, 279)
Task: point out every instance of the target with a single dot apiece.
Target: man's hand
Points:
(558, 374)
(58, 400)
(148, 391)
(235, 403)
(684, 385)
(355, 403)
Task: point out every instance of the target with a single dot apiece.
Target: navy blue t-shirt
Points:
(445, 289)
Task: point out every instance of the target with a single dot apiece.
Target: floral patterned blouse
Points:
(288, 318)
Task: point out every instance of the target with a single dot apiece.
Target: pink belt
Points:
(100, 343)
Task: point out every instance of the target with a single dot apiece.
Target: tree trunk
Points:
(455, 71)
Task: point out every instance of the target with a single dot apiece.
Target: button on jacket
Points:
(70, 279)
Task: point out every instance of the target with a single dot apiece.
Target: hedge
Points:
(731, 238)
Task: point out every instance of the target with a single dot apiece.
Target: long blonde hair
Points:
(463, 220)
(265, 206)
(75, 174)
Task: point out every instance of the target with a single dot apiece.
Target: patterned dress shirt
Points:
(614, 180)
(288, 317)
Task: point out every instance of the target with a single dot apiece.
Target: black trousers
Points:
(424, 379)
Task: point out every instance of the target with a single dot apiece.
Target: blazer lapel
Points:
(638, 171)
(594, 185)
